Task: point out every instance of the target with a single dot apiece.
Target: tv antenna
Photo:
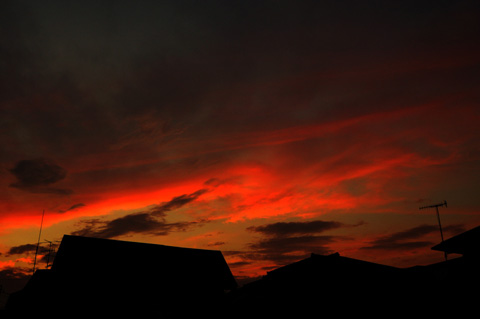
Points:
(49, 252)
(438, 217)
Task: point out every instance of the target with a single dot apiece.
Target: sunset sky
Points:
(268, 130)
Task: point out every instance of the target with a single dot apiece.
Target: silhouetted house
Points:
(319, 283)
(456, 281)
(466, 244)
(449, 286)
(112, 276)
(351, 287)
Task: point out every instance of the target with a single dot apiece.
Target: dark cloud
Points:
(216, 244)
(282, 251)
(392, 245)
(454, 229)
(72, 207)
(410, 238)
(134, 223)
(412, 233)
(37, 172)
(279, 249)
(176, 202)
(286, 242)
(22, 249)
(30, 248)
(144, 223)
(295, 228)
(151, 221)
(215, 181)
(35, 175)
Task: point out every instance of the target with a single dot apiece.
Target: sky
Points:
(268, 130)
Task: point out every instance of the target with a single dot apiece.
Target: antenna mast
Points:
(49, 252)
(438, 217)
(38, 242)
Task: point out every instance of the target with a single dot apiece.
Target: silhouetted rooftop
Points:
(465, 243)
(317, 263)
(93, 274)
(78, 254)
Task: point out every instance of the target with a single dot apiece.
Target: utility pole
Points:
(438, 217)
(38, 242)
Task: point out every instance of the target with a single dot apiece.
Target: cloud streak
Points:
(410, 239)
(176, 202)
(73, 207)
(141, 223)
(285, 242)
(296, 228)
(22, 249)
(152, 221)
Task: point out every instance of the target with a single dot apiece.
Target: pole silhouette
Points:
(38, 242)
(438, 218)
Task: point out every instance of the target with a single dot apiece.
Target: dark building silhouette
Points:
(91, 275)
(316, 284)
(347, 287)
(112, 277)
(466, 244)
(455, 283)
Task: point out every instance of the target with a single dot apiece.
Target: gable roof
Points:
(113, 277)
(465, 243)
(342, 284)
(132, 261)
(339, 266)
